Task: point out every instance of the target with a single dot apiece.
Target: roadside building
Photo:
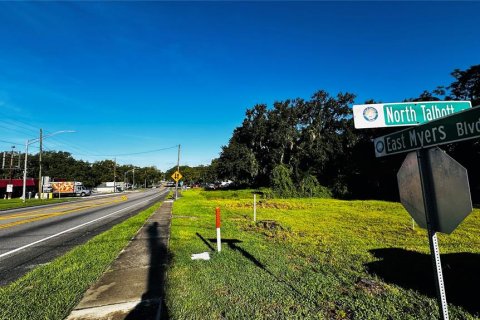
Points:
(109, 187)
(17, 187)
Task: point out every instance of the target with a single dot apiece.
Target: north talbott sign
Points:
(404, 114)
(457, 127)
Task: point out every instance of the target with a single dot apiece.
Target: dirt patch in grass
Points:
(273, 229)
(370, 286)
(268, 204)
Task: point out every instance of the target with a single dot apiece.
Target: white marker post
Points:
(217, 224)
(254, 207)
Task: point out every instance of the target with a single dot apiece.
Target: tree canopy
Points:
(298, 143)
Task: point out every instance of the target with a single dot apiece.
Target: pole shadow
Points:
(414, 270)
(205, 241)
(152, 306)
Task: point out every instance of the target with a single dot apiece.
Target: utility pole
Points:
(178, 169)
(11, 163)
(133, 182)
(25, 172)
(40, 182)
(114, 174)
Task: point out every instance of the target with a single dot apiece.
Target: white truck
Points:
(68, 188)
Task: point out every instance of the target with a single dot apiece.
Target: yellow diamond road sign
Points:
(176, 176)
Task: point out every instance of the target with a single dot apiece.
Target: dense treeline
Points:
(299, 145)
(195, 175)
(61, 165)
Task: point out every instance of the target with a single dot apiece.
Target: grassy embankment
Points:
(6, 204)
(52, 290)
(321, 259)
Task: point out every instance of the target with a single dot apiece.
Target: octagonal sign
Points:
(409, 185)
(451, 191)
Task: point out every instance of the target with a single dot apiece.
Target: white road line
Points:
(68, 230)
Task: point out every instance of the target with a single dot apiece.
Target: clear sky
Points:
(130, 77)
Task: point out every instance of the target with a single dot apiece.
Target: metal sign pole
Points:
(430, 212)
(178, 169)
(254, 207)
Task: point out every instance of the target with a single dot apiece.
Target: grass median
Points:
(313, 259)
(51, 291)
(7, 204)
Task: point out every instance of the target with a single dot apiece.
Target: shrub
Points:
(310, 187)
(282, 183)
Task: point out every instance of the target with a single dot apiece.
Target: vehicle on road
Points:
(68, 188)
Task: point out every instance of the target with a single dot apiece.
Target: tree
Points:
(238, 163)
(282, 183)
(467, 84)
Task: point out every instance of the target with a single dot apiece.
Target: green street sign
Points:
(404, 114)
(457, 127)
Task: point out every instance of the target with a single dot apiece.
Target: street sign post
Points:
(460, 126)
(177, 176)
(433, 187)
(404, 114)
(429, 205)
(435, 191)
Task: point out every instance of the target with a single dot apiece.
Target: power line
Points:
(10, 142)
(128, 154)
(57, 142)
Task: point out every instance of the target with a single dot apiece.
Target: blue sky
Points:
(130, 77)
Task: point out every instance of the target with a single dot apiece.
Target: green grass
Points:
(6, 204)
(321, 259)
(51, 291)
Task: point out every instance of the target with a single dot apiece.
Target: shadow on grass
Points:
(414, 270)
(205, 241)
(233, 244)
(149, 306)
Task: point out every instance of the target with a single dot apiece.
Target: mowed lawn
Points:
(314, 259)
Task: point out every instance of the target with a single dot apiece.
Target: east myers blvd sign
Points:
(457, 127)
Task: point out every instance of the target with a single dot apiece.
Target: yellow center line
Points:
(42, 216)
(43, 210)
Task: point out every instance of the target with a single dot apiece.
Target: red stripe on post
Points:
(217, 214)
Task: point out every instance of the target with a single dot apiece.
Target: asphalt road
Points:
(34, 236)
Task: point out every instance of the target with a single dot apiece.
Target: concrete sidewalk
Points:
(133, 286)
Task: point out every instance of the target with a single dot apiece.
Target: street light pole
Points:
(125, 177)
(40, 181)
(114, 175)
(27, 143)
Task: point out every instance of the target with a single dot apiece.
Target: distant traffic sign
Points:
(460, 126)
(404, 114)
(177, 176)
